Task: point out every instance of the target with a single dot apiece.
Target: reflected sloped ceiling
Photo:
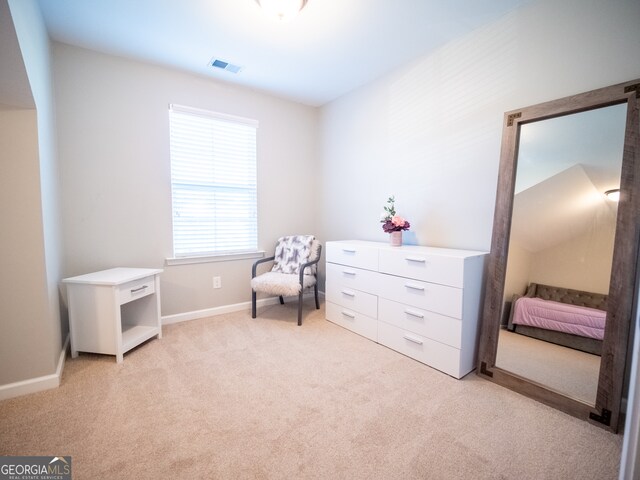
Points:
(555, 210)
(593, 139)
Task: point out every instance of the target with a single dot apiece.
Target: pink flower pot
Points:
(395, 239)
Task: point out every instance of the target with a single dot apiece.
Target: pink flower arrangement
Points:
(391, 222)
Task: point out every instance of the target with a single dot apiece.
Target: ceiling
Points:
(332, 47)
(565, 164)
(593, 139)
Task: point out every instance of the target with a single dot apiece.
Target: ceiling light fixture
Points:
(283, 10)
(613, 195)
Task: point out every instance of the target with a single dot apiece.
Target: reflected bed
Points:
(572, 318)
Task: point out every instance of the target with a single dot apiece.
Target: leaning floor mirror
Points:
(562, 275)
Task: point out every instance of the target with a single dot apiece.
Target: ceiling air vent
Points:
(222, 65)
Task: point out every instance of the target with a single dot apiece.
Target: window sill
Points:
(222, 257)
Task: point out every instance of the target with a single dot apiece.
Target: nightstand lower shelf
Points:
(134, 335)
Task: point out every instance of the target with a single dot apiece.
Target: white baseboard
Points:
(37, 384)
(210, 312)
(46, 382)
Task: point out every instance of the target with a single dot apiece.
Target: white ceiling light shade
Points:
(283, 10)
(613, 195)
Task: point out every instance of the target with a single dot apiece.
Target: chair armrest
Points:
(308, 264)
(255, 265)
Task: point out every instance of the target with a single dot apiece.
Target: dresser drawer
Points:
(350, 277)
(428, 296)
(353, 254)
(352, 320)
(136, 289)
(417, 264)
(353, 299)
(435, 354)
(428, 324)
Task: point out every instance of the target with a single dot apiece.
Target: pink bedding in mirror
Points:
(561, 317)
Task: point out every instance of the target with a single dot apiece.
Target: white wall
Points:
(30, 324)
(630, 458)
(430, 132)
(24, 348)
(517, 276)
(584, 263)
(114, 151)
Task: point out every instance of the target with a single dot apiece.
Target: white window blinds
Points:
(213, 183)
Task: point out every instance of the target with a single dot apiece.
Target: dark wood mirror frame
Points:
(622, 288)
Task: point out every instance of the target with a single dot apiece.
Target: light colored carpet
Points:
(571, 372)
(231, 397)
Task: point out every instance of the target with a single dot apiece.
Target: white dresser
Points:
(423, 302)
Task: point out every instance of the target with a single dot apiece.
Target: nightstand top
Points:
(113, 276)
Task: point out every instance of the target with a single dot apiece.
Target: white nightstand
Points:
(112, 311)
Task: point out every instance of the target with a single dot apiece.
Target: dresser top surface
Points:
(449, 252)
(113, 276)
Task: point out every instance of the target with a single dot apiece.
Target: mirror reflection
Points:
(561, 249)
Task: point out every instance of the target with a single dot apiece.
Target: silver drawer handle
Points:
(348, 272)
(139, 289)
(347, 314)
(414, 287)
(415, 259)
(414, 314)
(348, 250)
(348, 293)
(414, 340)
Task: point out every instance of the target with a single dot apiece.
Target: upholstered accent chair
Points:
(294, 270)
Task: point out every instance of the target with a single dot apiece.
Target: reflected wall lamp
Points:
(283, 10)
(613, 195)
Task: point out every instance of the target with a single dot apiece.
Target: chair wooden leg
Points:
(315, 290)
(300, 308)
(281, 300)
(253, 304)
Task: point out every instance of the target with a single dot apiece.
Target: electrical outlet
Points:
(217, 282)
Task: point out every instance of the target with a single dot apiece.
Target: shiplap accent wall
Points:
(430, 132)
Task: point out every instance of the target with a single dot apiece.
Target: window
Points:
(213, 183)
